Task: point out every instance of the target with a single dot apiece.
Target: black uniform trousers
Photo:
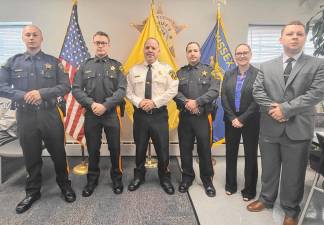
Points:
(250, 134)
(93, 126)
(35, 127)
(191, 127)
(152, 125)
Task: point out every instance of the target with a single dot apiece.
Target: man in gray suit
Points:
(287, 91)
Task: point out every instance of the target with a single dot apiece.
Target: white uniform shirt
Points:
(164, 86)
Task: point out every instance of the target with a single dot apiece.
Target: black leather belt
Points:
(152, 111)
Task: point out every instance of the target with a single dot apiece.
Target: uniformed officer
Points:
(100, 86)
(151, 86)
(33, 81)
(198, 89)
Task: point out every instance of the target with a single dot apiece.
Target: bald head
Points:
(32, 37)
(150, 39)
(151, 50)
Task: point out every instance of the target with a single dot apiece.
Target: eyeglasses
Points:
(241, 53)
(98, 43)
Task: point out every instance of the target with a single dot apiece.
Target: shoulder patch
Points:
(173, 75)
(121, 68)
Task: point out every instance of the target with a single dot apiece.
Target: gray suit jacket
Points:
(297, 98)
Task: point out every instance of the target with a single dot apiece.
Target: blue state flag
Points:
(216, 52)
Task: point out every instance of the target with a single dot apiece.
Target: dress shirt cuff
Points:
(199, 102)
(285, 109)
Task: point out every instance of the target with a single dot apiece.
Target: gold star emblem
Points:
(49, 66)
(204, 73)
(168, 27)
(112, 68)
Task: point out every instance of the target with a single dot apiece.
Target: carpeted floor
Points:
(149, 205)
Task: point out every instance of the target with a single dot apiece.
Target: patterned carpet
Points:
(149, 205)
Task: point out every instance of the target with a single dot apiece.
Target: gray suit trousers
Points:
(288, 158)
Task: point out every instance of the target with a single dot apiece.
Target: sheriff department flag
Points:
(152, 29)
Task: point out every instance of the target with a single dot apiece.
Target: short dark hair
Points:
(101, 33)
(294, 22)
(237, 46)
(192, 42)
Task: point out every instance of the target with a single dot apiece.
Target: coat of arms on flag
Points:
(168, 27)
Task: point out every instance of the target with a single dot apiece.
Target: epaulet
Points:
(15, 56)
(49, 57)
(114, 61)
(207, 65)
(12, 58)
(184, 67)
(88, 59)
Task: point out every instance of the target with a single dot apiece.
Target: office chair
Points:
(319, 172)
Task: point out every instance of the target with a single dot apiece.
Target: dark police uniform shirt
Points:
(199, 83)
(42, 72)
(100, 80)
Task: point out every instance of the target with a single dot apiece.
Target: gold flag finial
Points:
(220, 1)
(75, 2)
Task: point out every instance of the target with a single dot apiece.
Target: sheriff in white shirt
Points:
(150, 86)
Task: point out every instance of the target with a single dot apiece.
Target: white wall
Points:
(115, 17)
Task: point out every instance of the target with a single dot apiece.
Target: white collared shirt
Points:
(164, 87)
(285, 58)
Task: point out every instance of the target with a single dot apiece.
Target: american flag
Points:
(73, 53)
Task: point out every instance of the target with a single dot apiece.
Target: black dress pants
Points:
(154, 126)
(250, 134)
(93, 126)
(191, 127)
(35, 127)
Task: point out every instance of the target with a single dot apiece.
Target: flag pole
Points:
(82, 168)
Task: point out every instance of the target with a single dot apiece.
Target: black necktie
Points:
(148, 83)
(288, 68)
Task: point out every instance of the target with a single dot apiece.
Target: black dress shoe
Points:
(184, 186)
(27, 202)
(134, 184)
(68, 193)
(88, 190)
(167, 187)
(118, 187)
(210, 190)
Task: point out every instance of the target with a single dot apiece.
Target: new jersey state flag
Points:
(152, 29)
(215, 51)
